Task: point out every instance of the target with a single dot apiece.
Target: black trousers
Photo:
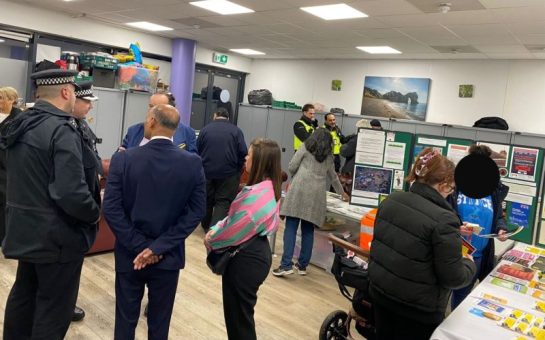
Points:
(337, 162)
(41, 302)
(219, 195)
(129, 290)
(240, 283)
(391, 326)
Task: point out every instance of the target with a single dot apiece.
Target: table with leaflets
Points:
(509, 304)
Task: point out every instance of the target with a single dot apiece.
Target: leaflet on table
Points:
(513, 272)
(529, 323)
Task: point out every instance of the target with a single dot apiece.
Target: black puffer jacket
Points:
(50, 213)
(416, 255)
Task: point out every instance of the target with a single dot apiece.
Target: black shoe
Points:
(78, 315)
(146, 310)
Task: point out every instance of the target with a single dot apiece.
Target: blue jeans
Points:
(459, 295)
(307, 240)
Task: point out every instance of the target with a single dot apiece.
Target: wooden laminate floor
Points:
(292, 307)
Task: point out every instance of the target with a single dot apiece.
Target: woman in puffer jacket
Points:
(416, 254)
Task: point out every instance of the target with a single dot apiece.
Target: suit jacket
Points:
(184, 137)
(155, 197)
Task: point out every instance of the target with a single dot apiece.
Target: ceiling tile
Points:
(432, 6)
(490, 49)
(510, 55)
(510, 3)
(385, 7)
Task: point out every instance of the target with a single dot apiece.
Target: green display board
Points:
(381, 164)
(522, 174)
(452, 148)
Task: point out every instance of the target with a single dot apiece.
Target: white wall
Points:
(234, 62)
(513, 90)
(37, 19)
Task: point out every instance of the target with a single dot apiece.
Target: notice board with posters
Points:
(453, 148)
(381, 164)
(520, 169)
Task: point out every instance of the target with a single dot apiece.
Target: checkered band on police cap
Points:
(84, 93)
(55, 81)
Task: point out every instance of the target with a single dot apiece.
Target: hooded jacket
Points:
(50, 213)
(416, 255)
(488, 261)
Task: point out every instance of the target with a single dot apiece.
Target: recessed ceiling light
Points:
(223, 7)
(246, 51)
(379, 49)
(334, 12)
(149, 26)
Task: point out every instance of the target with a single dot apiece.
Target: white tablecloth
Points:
(462, 325)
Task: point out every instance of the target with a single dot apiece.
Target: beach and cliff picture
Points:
(391, 97)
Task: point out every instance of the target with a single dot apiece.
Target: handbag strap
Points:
(245, 244)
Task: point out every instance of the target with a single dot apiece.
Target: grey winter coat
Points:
(306, 197)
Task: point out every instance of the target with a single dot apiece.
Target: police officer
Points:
(92, 164)
(330, 124)
(51, 216)
(305, 126)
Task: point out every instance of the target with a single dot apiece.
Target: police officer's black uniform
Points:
(51, 216)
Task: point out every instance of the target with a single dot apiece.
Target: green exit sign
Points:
(220, 58)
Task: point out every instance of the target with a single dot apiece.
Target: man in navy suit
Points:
(152, 207)
(184, 137)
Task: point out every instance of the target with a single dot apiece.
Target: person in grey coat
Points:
(311, 168)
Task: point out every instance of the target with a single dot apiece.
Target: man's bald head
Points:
(167, 116)
(161, 98)
(162, 120)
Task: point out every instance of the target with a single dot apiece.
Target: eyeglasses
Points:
(450, 187)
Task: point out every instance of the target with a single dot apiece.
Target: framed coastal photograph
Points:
(392, 97)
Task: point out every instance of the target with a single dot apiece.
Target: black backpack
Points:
(260, 97)
(492, 123)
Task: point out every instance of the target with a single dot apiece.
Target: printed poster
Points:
(394, 155)
(519, 214)
(370, 147)
(456, 152)
(523, 163)
(499, 153)
(399, 178)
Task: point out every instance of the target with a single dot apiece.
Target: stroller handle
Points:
(348, 246)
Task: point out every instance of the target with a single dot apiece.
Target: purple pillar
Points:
(182, 75)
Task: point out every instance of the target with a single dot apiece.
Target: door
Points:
(214, 88)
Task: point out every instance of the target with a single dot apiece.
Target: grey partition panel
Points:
(528, 139)
(14, 74)
(497, 136)
(290, 117)
(348, 126)
(108, 119)
(460, 132)
(252, 121)
(429, 129)
(136, 108)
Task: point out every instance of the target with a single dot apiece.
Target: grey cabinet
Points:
(136, 108)
(105, 119)
(252, 122)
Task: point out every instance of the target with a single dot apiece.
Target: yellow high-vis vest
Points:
(296, 141)
(336, 141)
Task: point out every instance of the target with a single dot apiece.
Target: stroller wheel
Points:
(334, 326)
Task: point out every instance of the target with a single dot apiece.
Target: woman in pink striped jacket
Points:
(253, 215)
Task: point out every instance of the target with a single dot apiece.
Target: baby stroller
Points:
(349, 274)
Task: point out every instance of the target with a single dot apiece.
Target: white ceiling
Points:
(473, 29)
